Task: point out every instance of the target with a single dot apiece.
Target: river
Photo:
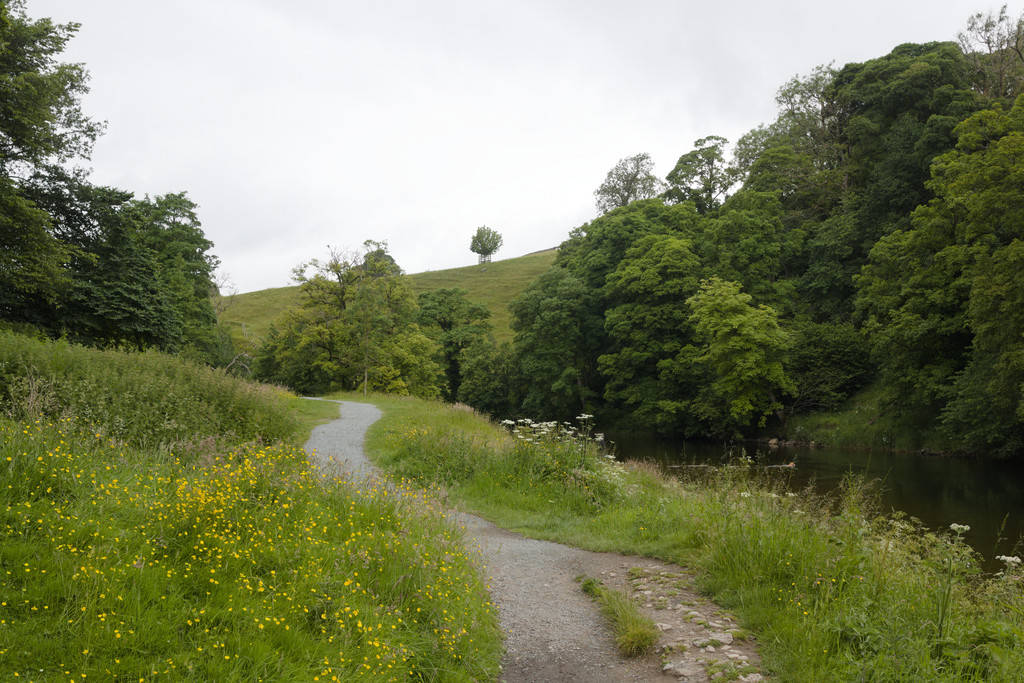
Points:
(939, 491)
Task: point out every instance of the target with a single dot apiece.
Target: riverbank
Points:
(987, 495)
(552, 630)
(869, 421)
(832, 592)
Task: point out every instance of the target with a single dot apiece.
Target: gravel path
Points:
(339, 443)
(553, 632)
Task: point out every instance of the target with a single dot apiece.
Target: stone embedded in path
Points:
(722, 637)
(683, 669)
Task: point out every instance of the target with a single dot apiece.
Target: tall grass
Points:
(635, 633)
(834, 591)
(154, 525)
(149, 399)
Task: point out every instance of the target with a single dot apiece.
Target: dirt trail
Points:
(553, 632)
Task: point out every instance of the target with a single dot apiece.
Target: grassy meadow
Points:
(250, 315)
(832, 591)
(211, 556)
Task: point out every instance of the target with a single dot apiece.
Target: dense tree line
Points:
(90, 263)
(871, 234)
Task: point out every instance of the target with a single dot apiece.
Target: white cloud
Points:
(297, 125)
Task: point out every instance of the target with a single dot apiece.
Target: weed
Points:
(635, 634)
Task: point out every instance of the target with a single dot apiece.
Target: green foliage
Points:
(748, 243)
(40, 125)
(594, 249)
(489, 379)
(901, 110)
(558, 326)
(148, 399)
(41, 119)
(454, 324)
(826, 286)
(31, 260)
(827, 362)
(630, 180)
(742, 348)
(843, 172)
(485, 242)
(354, 328)
(635, 633)
(88, 263)
(250, 315)
(116, 299)
(650, 365)
(701, 176)
(939, 297)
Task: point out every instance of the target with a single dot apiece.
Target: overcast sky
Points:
(298, 125)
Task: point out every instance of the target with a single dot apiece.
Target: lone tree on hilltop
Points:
(485, 242)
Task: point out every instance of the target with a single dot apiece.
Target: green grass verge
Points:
(832, 591)
(211, 556)
(151, 400)
(635, 634)
(250, 315)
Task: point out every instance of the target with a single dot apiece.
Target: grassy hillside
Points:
(494, 285)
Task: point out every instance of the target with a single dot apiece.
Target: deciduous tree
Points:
(649, 369)
(41, 126)
(456, 324)
(354, 329)
(556, 324)
(485, 243)
(629, 180)
(742, 349)
(702, 176)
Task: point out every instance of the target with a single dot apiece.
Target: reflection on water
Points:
(938, 491)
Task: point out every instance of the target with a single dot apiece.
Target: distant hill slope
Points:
(492, 284)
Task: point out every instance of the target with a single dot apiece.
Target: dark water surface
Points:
(939, 491)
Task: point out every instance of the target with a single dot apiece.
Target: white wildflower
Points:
(959, 528)
(1010, 560)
